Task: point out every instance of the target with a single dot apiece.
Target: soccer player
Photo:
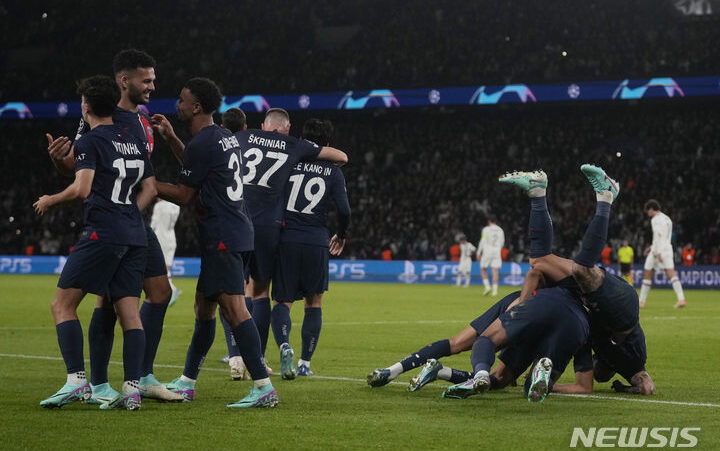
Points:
(135, 76)
(302, 264)
(626, 258)
(212, 171)
(489, 254)
(110, 257)
(269, 155)
(660, 254)
(165, 215)
(465, 265)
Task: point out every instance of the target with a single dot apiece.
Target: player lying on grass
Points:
(110, 256)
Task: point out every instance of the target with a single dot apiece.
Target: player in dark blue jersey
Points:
(212, 173)
(110, 257)
(305, 244)
(135, 76)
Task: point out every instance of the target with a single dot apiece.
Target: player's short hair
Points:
(234, 119)
(101, 93)
(318, 131)
(130, 59)
(277, 116)
(492, 218)
(206, 92)
(652, 204)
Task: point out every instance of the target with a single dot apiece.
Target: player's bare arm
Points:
(583, 384)
(147, 194)
(534, 280)
(337, 156)
(78, 189)
(61, 153)
(178, 194)
(165, 129)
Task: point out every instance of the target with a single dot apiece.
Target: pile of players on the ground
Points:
(254, 226)
(566, 309)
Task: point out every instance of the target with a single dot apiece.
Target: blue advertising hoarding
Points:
(655, 87)
(396, 271)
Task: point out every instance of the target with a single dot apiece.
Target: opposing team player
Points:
(212, 171)
(165, 215)
(305, 244)
(465, 265)
(135, 76)
(660, 254)
(489, 254)
(110, 256)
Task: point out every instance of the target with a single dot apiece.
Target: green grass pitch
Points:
(365, 326)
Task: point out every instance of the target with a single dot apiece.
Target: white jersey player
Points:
(165, 215)
(466, 251)
(489, 253)
(660, 254)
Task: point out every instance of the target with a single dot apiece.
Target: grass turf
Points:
(365, 326)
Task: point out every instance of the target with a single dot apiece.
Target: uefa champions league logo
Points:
(669, 85)
(19, 108)
(520, 92)
(304, 101)
(257, 101)
(348, 102)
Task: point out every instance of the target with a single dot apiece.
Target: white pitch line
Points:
(351, 379)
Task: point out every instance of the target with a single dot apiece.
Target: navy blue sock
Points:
(261, 316)
(249, 304)
(101, 334)
(434, 350)
(281, 323)
(70, 339)
(595, 237)
(460, 376)
(232, 348)
(248, 340)
(133, 352)
(483, 354)
(312, 323)
(200, 344)
(540, 228)
(152, 317)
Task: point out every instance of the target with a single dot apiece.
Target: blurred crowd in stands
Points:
(276, 46)
(419, 177)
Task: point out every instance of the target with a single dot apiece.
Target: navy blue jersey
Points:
(311, 188)
(213, 165)
(120, 162)
(269, 157)
(137, 124)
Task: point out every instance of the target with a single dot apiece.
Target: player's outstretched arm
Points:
(337, 156)
(61, 153)
(147, 194)
(178, 194)
(583, 384)
(534, 280)
(165, 129)
(79, 188)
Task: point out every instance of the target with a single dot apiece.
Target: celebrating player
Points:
(110, 257)
(135, 76)
(660, 254)
(212, 169)
(489, 254)
(302, 263)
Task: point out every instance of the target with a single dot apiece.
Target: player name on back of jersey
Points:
(126, 148)
(228, 143)
(313, 167)
(267, 142)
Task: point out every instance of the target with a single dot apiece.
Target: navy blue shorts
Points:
(483, 321)
(113, 271)
(155, 259)
(222, 272)
(550, 324)
(302, 270)
(262, 259)
(626, 359)
(614, 305)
